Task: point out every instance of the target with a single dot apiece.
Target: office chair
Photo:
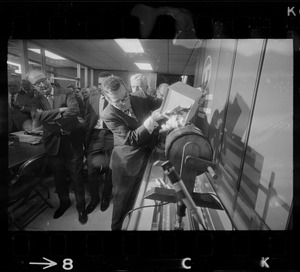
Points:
(25, 190)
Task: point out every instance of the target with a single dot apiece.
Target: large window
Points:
(251, 132)
(244, 77)
(267, 181)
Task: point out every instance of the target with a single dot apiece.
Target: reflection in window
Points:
(267, 180)
(238, 114)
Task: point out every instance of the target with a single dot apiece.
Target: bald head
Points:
(161, 90)
(39, 81)
(34, 75)
(13, 86)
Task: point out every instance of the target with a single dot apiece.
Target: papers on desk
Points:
(27, 138)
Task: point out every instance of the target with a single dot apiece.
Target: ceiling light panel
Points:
(144, 66)
(130, 45)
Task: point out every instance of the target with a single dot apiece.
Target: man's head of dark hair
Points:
(104, 74)
(112, 84)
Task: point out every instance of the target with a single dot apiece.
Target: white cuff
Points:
(150, 124)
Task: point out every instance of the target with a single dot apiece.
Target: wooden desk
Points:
(20, 152)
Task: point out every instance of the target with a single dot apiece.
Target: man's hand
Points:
(39, 110)
(159, 117)
(172, 123)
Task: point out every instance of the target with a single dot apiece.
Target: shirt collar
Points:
(50, 94)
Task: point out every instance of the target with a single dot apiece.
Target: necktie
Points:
(105, 103)
(102, 105)
(131, 114)
(50, 99)
(12, 101)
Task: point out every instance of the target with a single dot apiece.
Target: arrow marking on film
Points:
(49, 263)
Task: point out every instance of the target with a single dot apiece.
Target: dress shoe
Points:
(104, 204)
(61, 210)
(82, 217)
(92, 205)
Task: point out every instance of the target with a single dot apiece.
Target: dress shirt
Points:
(12, 99)
(100, 124)
(150, 124)
(50, 98)
(130, 113)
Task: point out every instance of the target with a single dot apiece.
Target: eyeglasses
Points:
(120, 101)
(38, 82)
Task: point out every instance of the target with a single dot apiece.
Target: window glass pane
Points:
(220, 94)
(246, 218)
(242, 89)
(219, 98)
(206, 79)
(267, 181)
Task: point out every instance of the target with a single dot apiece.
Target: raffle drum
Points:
(190, 152)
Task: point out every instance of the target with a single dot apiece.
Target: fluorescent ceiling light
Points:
(130, 45)
(47, 54)
(15, 64)
(144, 66)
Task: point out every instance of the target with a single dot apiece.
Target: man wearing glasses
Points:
(98, 144)
(134, 126)
(57, 110)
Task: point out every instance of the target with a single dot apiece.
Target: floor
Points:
(97, 220)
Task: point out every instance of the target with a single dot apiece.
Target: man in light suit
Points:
(98, 144)
(57, 110)
(134, 127)
(139, 84)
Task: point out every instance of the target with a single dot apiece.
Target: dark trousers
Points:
(99, 152)
(95, 177)
(124, 193)
(69, 161)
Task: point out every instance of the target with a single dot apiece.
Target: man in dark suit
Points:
(57, 110)
(134, 126)
(98, 144)
(78, 98)
(19, 110)
(85, 93)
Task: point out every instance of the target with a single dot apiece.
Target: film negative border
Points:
(113, 251)
(83, 251)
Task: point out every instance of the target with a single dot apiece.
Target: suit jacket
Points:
(80, 104)
(48, 117)
(18, 117)
(131, 138)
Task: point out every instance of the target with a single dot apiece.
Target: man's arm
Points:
(26, 108)
(87, 115)
(153, 102)
(87, 121)
(39, 115)
(124, 134)
(72, 105)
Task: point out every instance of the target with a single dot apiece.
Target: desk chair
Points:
(26, 191)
